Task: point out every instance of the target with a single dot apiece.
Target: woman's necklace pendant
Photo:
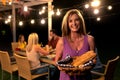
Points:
(77, 51)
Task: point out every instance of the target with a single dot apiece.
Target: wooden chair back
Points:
(110, 68)
(6, 63)
(14, 45)
(24, 69)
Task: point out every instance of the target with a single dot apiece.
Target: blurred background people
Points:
(53, 39)
(34, 51)
(21, 42)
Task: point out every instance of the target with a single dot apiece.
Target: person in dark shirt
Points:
(53, 39)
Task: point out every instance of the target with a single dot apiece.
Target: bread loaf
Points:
(83, 58)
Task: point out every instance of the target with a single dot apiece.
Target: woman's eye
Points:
(76, 19)
(70, 20)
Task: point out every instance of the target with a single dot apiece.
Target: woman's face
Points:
(51, 33)
(22, 38)
(74, 22)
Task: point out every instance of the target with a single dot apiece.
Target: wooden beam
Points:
(24, 2)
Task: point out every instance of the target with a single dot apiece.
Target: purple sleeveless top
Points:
(69, 51)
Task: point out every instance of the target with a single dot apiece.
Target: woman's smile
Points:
(74, 23)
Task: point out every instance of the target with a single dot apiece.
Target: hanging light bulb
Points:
(58, 12)
(25, 8)
(43, 21)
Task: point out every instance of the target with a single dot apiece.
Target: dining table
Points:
(48, 59)
(44, 58)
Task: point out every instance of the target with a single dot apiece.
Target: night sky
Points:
(106, 31)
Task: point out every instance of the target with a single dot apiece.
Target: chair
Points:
(109, 70)
(6, 63)
(14, 46)
(24, 69)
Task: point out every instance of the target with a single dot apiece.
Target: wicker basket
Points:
(77, 65)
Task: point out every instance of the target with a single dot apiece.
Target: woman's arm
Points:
(91, 42)
(92, 47)
(40, 50)
(59, 50)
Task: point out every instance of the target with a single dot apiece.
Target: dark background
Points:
(106, 31)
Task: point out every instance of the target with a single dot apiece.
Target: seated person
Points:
(98, 67)
(21, 42)
(34, 51)
(53, 39)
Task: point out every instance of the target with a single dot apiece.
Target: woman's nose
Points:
(74, 23)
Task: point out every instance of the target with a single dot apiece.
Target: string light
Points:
(10, 3)
(98, 18)
(87, 6)
(94, 3)
(25, 8)
(9, 20)
(20, 23)
(58, 12)
(43, 7)
(40, 12)
(96, 11)
(32, 21)
(9, 16)
(6, 22)
(109, 7)
(42, 21)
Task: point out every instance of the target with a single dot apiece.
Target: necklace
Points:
(77, 39)
(76, 43)
(77, 51)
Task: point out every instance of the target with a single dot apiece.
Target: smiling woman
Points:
(74, 42)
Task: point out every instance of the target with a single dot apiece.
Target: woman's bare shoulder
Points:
(60, 41)
(90, 37)
(36, 47)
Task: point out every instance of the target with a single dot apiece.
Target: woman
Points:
(54, 39)
(74, 42)
(34, 51)
(21, 42)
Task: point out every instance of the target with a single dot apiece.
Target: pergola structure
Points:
(17, 3)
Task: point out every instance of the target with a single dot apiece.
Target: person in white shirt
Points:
(34, 51)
